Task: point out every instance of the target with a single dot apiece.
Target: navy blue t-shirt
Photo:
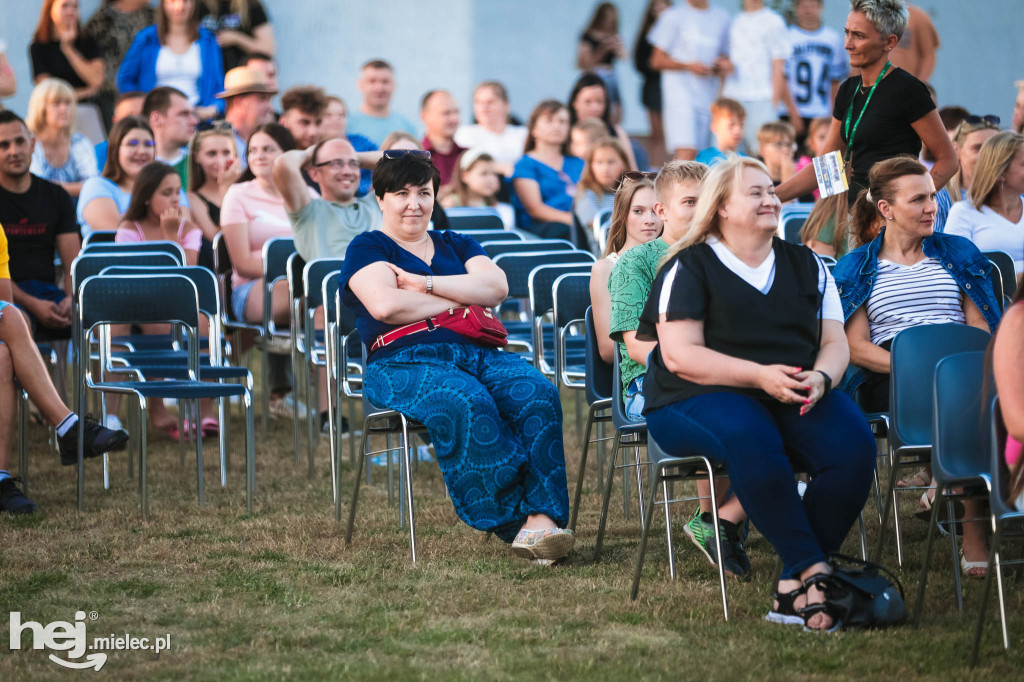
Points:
(451, 251)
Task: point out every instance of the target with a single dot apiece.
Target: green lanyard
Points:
(849, 112)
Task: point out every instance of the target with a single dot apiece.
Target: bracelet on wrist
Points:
(828, 382)
(430, 284)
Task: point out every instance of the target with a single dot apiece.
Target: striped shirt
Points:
(907, 296)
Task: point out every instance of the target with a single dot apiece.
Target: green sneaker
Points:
(701, 532)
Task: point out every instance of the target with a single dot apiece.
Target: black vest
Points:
(780, 327)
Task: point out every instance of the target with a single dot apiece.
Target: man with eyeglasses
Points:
(173, 120)
(39, 219)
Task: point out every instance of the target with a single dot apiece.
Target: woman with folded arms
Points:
(495, 421)
(750, 335)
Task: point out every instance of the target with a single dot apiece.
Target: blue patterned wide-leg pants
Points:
(496, 426)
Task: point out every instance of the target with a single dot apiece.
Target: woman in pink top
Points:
(155, 213)
(1008, 367)
(252, 213)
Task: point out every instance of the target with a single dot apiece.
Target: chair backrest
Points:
(572, 297)
(541, 284)
(88, 264)
(599, 372)
(518, 266)
(492, 235)
(98, 237)
(294, 267)
(138, 299)
(204, 280)
(961, 424)
(464, 222)
(313, 275)
(276, 252)
(791, 228)
(158, 246)
(495, 249)
(914, 354)
(1004, 263)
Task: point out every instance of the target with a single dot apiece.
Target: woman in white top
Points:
(993, 218)
(61, 155)
(492, 132)
(968, 139)
(634, 222)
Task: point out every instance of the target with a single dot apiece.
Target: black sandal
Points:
(823, 581)
(786, 613)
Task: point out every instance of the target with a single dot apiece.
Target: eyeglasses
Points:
(990, 119)
(637, 175)
(338, 164)
(401, 153)
(145, 143)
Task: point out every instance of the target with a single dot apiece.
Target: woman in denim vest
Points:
(906, 276)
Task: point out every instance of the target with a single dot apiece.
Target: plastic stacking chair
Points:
(571, 301)
(345, 370)
(97, 237)
(158, 246)
(598, 389)
(378, 420)
(276, 253)
(541, 286)
(495, 249)
(791, 218)
(666, 468)
(482, 236)
(1003, 262)
(465, 219)
(517, 268)
(960, 454)
(105, 300)
(628, 433)
(296, 331)
(1003, 515)
(602, 222)
(913, 356)
(314, 343)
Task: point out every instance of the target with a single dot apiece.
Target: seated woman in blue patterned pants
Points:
(495, 421)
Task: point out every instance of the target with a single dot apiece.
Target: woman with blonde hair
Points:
(61, 155)
(750, 335)
(634, 222)
(993, 217)
(213, 166)
(969, 137)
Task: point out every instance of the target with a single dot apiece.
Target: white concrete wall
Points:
(530, 45)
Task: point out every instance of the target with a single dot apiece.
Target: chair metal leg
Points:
(639, 481)
(199, 453)
(951, 514)
(407, 471)
(923, 579)
(625, 489)
(993, 562)
(22, 437)
(312, 414)
(616, 447)
(355, 490)
(183, 437)
(296, 391)
(648, 514)
(863, 536)
(222, 441)
(583, 469)
(250, 449)
(143, 460)
(352, 435)
(665, 497)
(389, 444)
(265, 374)
(890, 499)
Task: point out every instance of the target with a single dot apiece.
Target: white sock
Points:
(66, 424)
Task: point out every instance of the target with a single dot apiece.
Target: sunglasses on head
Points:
(213, 125)
(990, 119)
(402, 153)
(637, 175)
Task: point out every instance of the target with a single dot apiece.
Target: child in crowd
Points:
(583, 134)
(814, 145)
(727, 120)
(776, 143)
(476, 183)
(826, 230)
(595, 193)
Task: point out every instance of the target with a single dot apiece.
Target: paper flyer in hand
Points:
(831, 173)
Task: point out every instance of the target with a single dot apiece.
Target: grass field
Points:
(278, 595)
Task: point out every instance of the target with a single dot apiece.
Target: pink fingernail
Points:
(807, 402)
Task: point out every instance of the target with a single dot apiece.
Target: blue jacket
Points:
(138, 68)
(855, 277)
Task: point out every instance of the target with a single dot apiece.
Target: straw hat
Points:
(242, 80)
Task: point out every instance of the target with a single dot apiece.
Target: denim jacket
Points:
(855, 277)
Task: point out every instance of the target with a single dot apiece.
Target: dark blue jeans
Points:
(763, 443)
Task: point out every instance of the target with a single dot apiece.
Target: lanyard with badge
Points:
(830, 168)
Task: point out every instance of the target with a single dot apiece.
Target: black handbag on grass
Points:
(864, 594)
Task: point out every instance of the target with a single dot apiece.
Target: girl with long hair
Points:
(213, 166)
(605, 163)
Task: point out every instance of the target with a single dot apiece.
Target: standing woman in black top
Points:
(750, 334)
(883, 112)
(600, 45)
(59, 50)
(650, 91)
(242, 28)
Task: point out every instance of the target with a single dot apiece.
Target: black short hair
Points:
(8, 116)
(391, 175)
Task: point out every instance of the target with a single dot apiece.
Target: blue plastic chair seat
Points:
(179, 372)
(179, 390)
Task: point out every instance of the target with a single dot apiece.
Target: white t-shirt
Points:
(755, 39)
(905, 296)
(691, 35)
(506, 148)
(818, 58)
(180, 71)
(988, 230)
(763, 276)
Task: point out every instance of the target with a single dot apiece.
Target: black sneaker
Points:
(98, 439)
(701, 531)
(12, 500)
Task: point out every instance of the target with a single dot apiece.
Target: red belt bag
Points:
(475, 322)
